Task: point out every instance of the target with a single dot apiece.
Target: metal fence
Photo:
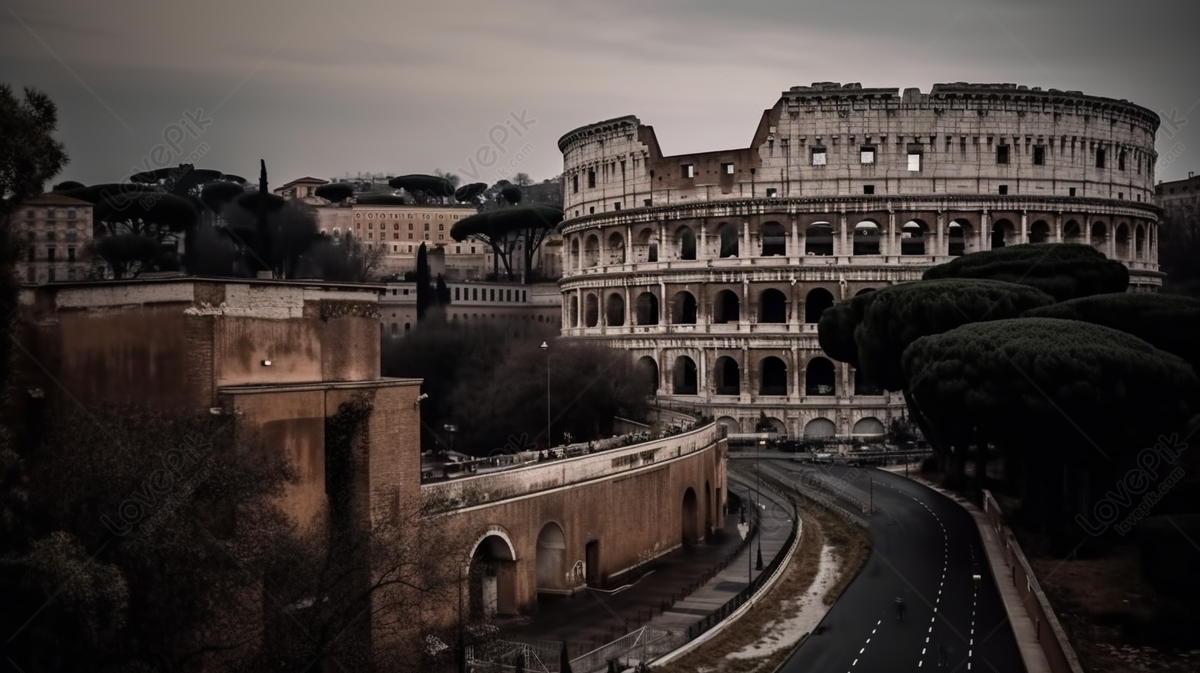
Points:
(643, 645)
(540, 656)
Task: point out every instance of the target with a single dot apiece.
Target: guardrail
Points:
(1050, 634)
(492, 487)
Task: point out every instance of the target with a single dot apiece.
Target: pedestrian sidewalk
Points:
(1024, 630)
(594, 618)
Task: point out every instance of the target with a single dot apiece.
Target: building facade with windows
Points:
(1178, 191)
(57, 231)
(473, 302)
(714, 268)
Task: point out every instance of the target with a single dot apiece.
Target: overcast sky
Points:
(326, 89)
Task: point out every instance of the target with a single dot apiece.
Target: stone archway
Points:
(692, 532)
(551, 559)
(491, 577)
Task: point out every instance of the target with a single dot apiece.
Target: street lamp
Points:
(549, 437)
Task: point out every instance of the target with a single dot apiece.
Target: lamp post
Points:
(549, 437)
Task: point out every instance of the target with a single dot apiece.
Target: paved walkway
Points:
(589, 620)
(1023, 628)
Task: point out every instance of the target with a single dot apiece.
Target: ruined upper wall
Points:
(812, 144)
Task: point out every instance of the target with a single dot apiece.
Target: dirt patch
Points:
(849, 546)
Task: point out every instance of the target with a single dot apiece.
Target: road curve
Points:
(926, 549)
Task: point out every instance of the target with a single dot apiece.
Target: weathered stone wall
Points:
(633, 513)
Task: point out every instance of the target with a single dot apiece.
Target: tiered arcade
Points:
(714, 268)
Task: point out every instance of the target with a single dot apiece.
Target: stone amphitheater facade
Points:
(713, 268)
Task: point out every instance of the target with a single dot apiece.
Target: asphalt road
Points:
(926, 549)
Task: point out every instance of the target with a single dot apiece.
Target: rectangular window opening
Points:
(868, 189)
(867, 155)
(727, 169)
(818, 156)
(1002, 154)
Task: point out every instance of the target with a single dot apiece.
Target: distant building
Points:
(304, 189)
(57, 230)
(473, 302)
(1168, 193)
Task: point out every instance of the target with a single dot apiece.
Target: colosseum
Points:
(713, 268)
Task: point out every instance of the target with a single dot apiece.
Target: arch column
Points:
(793, 390)
(1024, 227)
(940, 223)
(985, 231)
(1058, 224)
(1110, 243)
(702, 246)
(744, 306)
(628, 310)
(747, 380)
(662, 241)
(628, 244)
(842, 250)
(702, 388)
(794, 241)
(745, 251)
(891, 238)
(663, 308)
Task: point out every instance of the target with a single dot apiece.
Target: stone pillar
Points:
(702, 243)
(793, 367)
(842, 249)
(747, 384)
(1058, 228)
(664, 306)
(794, 248)
(891, 237)
(940, 222)
(628, 309)
(662, 242)
(702, 383)
(745, 307)
(745, 251)
(659, 366)
(1024, 227)
(985, 233)
(628, 244)
(1110, 242)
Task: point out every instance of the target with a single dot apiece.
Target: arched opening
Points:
(772, 425)
(864, 386)
(616, 248)
(1002, 234)
(591, 310)
(774, 240)
(591, 251)
(1123, 241)
(728, 237)
(614, 310)
(772, 306)
(692, 533)
(773, 377)
(726, 307)
(574, 253)
(1139, 238)
(491, 579)
(648, 369)
(683, 309)
(573, 317)
(956, 238)
(684, 376)
(866, 238)
(551, 559)
(685, 243)
(1072, 233)
(727, 378)
(1039, 232)
(815, 304)
(912, 238)
(868, 428)
(1099, 237)
(647, 309)
(646, 249)
(818, 239)
(820, 428)
(732, 425)
(819, 377)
